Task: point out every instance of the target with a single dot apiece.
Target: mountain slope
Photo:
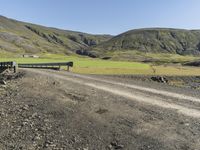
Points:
(155, 40)
(20, 37)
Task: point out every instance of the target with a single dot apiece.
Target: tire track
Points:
(149, 99)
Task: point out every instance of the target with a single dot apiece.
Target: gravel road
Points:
(62, 110)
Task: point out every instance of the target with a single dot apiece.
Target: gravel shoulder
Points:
(58, 110)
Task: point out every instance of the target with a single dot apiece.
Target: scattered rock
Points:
(159, 79)
(86, 53)
(25, 107)
(3, 86)
(115, 145)
(3, 82)
(101, 111)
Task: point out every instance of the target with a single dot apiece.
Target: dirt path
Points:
(46, 109)
(119, 89)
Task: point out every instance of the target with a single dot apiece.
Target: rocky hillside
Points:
(20, 37)
(155, 40)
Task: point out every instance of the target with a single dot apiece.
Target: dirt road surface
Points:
(48, 109)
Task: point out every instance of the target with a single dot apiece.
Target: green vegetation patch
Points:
(85, 65)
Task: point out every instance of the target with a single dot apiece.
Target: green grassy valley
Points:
(86, 65)
(142, 51)
(143, 45)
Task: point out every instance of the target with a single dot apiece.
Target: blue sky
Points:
(105, 16)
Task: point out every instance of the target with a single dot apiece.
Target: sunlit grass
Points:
(85, 65)
(155, 57)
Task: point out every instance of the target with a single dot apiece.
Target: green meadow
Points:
(85, 65)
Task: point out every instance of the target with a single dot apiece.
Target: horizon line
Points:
(86, 32)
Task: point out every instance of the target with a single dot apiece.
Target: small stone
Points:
(3, 86)
(187, 124)
(25, 107)
(34, 115)
(3, 82)
(115, 145)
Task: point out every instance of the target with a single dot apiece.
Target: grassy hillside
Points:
(172, 41)
(19, 37)
(144, 45)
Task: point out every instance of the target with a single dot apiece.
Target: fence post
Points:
(14, 66)
(15, 69)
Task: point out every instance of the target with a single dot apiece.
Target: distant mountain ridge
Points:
(156, 40)
(19, 37)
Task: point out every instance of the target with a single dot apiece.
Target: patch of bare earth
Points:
(45, 111)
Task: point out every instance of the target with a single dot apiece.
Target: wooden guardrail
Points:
(47, 65)
(11, 64)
